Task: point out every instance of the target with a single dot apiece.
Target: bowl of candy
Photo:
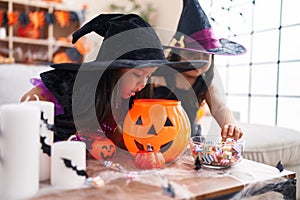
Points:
(212, 152)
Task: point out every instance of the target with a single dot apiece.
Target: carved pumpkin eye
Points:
(152, 129)
(104, 147)
(139, 121)
(168, 122)
(108, 148)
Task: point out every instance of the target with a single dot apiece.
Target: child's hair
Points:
(104, 98)
(174, 56)
(202, 82)
(110, 107)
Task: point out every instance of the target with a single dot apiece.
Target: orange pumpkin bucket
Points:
(160, 122)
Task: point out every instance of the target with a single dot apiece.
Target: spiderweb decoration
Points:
(228, 17)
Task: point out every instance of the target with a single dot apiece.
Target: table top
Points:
(184, 179)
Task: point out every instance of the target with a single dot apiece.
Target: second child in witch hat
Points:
(194, 33)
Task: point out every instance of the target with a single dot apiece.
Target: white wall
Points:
(166, 15)
(14, 80)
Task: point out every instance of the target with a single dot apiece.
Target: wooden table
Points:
(247, 177)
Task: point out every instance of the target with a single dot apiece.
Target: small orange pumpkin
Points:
(103, 149)
(149, 159)
(162, 123)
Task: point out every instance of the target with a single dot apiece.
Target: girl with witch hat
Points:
(95, 95)
(194, 40)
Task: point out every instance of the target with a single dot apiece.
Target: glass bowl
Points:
(214, 153)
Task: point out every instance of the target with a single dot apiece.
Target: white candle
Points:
(46, 136)
(19, 151)
(74, 153)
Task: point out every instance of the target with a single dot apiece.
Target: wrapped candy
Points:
(217, 153)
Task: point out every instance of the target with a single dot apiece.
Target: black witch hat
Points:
(194, 33)
(128, 42)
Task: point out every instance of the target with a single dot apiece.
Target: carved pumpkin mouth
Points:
(109, 154)
(163, 148)
(166, 146)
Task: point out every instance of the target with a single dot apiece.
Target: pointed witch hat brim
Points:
(119, 64)
(128, 42)
(194, 33)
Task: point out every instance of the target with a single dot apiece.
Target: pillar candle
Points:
(46, 136)
(67, 163)
(19, 151)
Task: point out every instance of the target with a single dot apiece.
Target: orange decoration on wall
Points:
(61, 57)
(63, 18)
(12, 17)
(37, 19)
(58, 1)
(28, 31)
(1, 18)
(162, 123)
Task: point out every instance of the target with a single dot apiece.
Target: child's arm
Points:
(222, 114)
(34, 94)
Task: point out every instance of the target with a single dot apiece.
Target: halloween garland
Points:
(38, 18)
(29, 24)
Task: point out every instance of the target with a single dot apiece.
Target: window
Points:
(263, 85)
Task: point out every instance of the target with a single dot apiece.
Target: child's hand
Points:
(231, 131)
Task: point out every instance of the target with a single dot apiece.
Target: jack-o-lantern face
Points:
(103, 149)
(162, 123)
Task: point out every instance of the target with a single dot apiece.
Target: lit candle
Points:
(68, 164)
(19, 151)
(46, 136)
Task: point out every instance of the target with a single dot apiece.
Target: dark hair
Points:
(105, 101)
(202, 82)
(111, 108)
(174, 56)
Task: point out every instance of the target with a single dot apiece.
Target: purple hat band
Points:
(205, 41)
(205, 38)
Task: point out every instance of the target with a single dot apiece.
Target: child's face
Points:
(188, 55)
(134, 80)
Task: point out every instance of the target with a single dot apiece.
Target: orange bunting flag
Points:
(62, 18)
(1, 18)
(12, 17)
(37, 19)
